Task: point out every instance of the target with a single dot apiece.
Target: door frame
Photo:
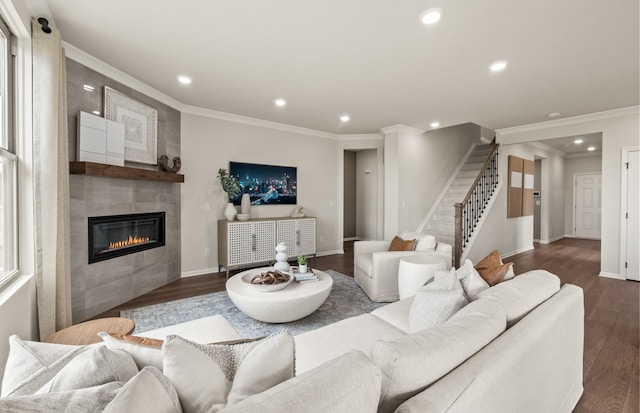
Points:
(624, 155)
(575, 200)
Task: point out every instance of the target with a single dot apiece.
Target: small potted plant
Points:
(302, 264)
(231, 186)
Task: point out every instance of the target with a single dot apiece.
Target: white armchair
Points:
(375, 268)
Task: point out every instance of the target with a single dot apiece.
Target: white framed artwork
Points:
(140, 126)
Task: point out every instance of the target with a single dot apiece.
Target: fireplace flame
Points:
(132, 240)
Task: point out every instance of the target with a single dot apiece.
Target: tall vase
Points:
(245, 204)
(281, 258)
(230, 212)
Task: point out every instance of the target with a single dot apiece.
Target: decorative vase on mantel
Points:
(281, 258)
(230, 212)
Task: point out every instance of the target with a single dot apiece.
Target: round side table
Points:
(416, 270)
(87, 332)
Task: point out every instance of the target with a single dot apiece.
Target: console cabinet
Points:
(248, 243)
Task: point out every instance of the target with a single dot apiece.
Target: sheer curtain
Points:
(51, 173)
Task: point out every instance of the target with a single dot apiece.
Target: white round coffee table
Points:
(416, 270)
(296, 301)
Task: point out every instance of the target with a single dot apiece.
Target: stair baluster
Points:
(470, 210)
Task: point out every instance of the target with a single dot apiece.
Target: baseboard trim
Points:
(518, 251)
(549, 241)
(351, 239)
(194, 273)
(611, 275)
(324, 253)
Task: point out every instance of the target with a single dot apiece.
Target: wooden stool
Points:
(87, 332)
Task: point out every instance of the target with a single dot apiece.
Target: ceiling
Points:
(372, 60)
(577, 145)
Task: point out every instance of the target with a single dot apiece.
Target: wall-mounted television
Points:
(265, 184)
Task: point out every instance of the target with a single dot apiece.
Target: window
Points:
(8, 163)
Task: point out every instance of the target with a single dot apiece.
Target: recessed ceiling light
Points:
(435, 124)
(345, 118)
(280, 102)
(554, 115)
(88, 88)
(185, 80)
(430, 16)
(498, 66)
(578, 141)
(96, 112)
(591, 148)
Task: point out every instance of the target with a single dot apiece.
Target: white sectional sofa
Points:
(516, 348)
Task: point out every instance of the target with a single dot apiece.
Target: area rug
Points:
(346, 300)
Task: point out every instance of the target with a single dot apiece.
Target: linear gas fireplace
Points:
(117, 235)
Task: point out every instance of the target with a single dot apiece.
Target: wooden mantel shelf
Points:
(113, 171)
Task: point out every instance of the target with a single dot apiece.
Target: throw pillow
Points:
(97, 366)
(148, 391)
(472, 283)
(92, 399)
(398, 244)
(348, 383)
(145, 351)
(436, 302)
(31, 365)
(423, 242)
(493, 270)
(209, 377)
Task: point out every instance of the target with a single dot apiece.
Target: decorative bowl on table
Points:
(268, 281)
(243, 217)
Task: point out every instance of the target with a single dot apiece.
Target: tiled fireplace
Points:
(105, 283)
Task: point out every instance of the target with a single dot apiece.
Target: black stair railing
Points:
(469, 211)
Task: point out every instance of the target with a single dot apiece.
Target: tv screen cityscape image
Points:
(265, 184)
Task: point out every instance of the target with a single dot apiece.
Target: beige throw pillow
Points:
(209, 377)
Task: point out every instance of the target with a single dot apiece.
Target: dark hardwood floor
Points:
(612, 315)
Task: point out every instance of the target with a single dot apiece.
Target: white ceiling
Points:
(370, 59)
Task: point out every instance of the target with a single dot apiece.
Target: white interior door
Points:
(588, 205)
(633, 223)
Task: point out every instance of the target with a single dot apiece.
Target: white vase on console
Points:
(230, 212)
(245, 204)
(281, 258)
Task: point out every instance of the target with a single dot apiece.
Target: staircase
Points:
(441, 222)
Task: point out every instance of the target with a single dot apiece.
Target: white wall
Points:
(209, 144)
(620, 129)
(573, 166)
(426, 165)
(513, 235)
(366, 194)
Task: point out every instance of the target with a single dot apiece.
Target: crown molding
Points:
(401, 128)
(593, 154)
(608, 114)
(106, 69)
(361, 137)
(231, 117)
(547, 148)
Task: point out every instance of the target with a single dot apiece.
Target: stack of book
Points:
(306, 277)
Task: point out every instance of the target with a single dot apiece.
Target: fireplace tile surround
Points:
(100, 286)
